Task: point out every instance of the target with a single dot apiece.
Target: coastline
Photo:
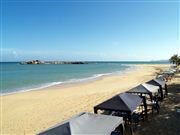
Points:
(72, 81)
(33, 111)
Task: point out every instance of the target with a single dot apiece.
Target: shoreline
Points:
(71, 82)
(34, 111)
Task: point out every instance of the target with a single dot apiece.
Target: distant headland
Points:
(35, 62)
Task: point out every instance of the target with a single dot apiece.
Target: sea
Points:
(15, 77)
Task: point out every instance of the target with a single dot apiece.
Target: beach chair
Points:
(153, 105)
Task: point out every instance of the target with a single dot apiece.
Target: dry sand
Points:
(34, 111)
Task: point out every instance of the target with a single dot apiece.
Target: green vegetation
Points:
(175, 59)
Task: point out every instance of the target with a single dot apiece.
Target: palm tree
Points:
(175, 59)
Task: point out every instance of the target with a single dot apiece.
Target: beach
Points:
(34, 111)
(168, 120)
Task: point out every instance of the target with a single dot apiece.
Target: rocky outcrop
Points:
(53, 62)
(33, 62)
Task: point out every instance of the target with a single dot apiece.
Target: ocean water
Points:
(16, 77)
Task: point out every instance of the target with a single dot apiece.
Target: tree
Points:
(178, 63)
(175, 59)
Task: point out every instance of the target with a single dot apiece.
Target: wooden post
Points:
(95, 110)
(145, 105)
(166, 89)
(161, 91)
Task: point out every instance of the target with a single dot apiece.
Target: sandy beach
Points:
(34, 111)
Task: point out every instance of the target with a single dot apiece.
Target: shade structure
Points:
(173, 70)
(86, 124)
(144, 89)
(169, 72)
(151, 88)
(155, 83)
(160, 82)
(124, 102)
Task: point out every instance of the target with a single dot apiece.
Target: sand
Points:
(167, 122)
(34, 111)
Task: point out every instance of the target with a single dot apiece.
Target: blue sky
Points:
(89, 30)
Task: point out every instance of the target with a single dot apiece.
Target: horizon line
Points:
(99, 1)
(101, 60)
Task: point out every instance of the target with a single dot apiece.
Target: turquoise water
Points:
(16, 77)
